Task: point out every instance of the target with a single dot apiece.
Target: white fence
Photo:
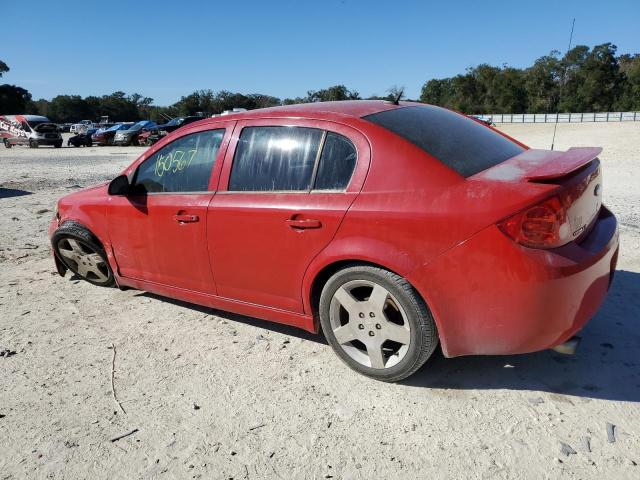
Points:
(561, 117)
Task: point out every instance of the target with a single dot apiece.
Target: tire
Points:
(33, 143)
(374, 293)
(79, 250)
(7, 143)
(58, 144)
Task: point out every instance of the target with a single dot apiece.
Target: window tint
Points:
(184, 165)
(274, 158)
(337, 162)
(457, 141)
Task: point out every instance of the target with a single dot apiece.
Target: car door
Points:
(287, 186)
(158, 232)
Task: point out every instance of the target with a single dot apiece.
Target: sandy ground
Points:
(214, 395)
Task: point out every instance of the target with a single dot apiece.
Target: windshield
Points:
(114, 128)
(175, 121)
(140, 125)
(35, 123)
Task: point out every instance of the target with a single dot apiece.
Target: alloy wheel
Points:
(83, 260)
(370, 324)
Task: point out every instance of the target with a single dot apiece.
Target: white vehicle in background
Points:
(32, 130)
(81, 127)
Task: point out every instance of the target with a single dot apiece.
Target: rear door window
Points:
(457, 141)
(275, 158)
(337, 162)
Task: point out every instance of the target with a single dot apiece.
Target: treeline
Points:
(583, 80)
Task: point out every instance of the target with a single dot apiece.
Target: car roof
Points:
(346, 109)
(28, 118)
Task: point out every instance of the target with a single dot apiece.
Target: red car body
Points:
(403, 210)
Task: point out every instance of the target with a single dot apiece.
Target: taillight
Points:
(544, 225)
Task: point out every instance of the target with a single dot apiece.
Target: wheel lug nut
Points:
(361, 315)
(371, 334)
(378, 326)
(371, 314)
(361, 327)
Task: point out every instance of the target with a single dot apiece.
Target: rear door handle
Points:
(180, 218)
(303, 223)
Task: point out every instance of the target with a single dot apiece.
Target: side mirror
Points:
(119, 186)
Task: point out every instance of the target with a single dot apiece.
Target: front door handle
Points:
(303, 223)
(181, 218)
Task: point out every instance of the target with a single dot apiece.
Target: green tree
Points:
(13, 99)
(334, 93)
(69, 108)
(629, 98)
(542, 83)
(4, 68)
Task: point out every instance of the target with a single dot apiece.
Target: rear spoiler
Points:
(557, 164)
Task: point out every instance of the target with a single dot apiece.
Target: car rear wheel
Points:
(33, 143)
(377, 323)
(58, 144)
(81, 253)
(7, 143)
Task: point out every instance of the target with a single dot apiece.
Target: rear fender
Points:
(366, 250)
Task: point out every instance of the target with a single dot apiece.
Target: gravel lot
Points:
(215, 395)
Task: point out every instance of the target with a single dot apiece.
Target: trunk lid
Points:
(577, 174)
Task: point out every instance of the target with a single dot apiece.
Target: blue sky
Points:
(165, 49)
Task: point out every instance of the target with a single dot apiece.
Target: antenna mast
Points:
(564, 74)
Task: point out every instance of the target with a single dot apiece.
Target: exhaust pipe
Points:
(569, 347)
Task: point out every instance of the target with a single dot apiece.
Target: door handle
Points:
(303, 223)
(180, 218)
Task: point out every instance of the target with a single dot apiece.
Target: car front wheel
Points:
(377, 323)
(81, 253)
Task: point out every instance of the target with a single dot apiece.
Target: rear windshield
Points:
(457, 141)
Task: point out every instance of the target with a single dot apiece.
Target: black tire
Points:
(7, 143)
(423, 332)
(58, 144)
(33, 143)
(89, 244)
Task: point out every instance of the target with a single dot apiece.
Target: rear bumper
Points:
(492, 296)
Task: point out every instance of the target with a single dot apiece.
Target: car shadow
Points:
(606, 365)
(234, 317)
(12, 192)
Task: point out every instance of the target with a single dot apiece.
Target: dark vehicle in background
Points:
(130, 136)
(151, 135)
(82, 139)
(104, 136)
(64, 127)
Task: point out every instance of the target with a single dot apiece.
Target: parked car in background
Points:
(82, 139)
(32, 130)
(391, 228)
(104, 136)
(64, 127)
(130, 136)
(81, 126)
(151, 135)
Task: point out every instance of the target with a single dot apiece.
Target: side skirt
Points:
(293, 319)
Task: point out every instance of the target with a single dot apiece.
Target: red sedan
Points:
(391, 228)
